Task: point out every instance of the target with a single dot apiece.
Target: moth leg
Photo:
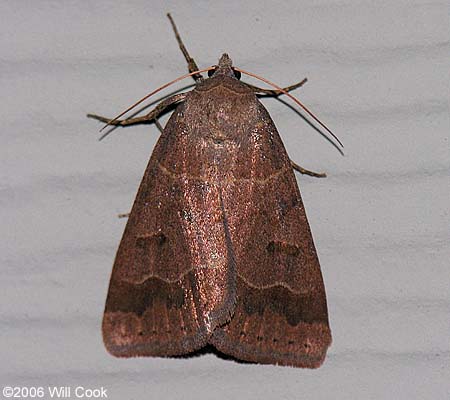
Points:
(151, 116)
(274, 92)
(192, 65)
(159, 126)
(307, 172)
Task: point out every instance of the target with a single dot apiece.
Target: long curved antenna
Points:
(155, 91)
(293, 98)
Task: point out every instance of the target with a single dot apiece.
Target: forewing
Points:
(152, 307)
(281, 314)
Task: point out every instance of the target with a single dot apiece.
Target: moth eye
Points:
(211, 71)
(237, 74)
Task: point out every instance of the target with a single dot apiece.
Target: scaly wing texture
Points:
(218, 247)
(173, 279)
(281, 315)
(151, 307)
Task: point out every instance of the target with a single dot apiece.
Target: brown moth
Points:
(217, 249)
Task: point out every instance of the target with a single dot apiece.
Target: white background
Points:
(378, 75)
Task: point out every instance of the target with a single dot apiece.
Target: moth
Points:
(217, 249)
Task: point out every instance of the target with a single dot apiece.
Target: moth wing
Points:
(281, 313)
(151, 307)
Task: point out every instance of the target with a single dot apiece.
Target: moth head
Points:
(225, 67)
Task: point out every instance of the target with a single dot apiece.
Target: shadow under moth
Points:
(217, 249)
